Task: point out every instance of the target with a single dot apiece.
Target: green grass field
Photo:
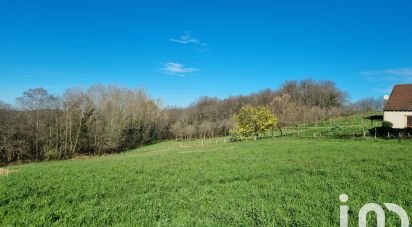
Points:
(340, 127)
(276, 181)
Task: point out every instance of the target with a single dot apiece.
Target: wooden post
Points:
(363, 129)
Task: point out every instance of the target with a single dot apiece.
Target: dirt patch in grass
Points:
(81, 157)
(5, 172)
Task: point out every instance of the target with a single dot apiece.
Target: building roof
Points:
(374, 117)
(400, 99)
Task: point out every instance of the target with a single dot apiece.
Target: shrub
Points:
(52, 154)
(254, 121)
(235, 138)
(387, 124)
(392, 132)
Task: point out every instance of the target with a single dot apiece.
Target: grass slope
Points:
(279, 181)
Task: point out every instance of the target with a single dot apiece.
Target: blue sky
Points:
(181, 50)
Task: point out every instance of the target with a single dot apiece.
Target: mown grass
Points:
(341, 127)
(276, 182)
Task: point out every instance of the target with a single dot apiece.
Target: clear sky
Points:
(181, 50)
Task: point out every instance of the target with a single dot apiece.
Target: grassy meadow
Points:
(281, 181)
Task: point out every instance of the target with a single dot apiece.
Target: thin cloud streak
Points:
(389, 75)
(396, 72)
(187, 38)
(177, 69)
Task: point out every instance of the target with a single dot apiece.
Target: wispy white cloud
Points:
(177, 69)
(187, 38)
(384, 90)
(400, 75)
(397, 72)
(407, 72)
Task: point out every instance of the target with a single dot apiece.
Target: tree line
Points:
(106, 119)
(295, 102)
(101, 119)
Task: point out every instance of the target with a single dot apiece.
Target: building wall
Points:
(398, 118)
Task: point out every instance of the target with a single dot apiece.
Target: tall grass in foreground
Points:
(278, 182)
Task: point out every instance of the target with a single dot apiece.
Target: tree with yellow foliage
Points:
(254, 121)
